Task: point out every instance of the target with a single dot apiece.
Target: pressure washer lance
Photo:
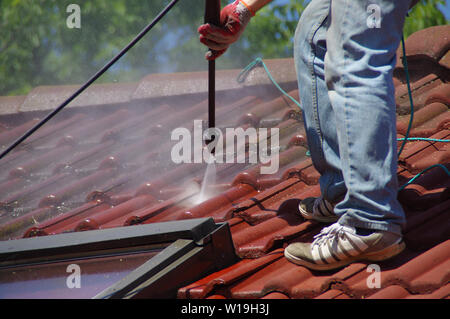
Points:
(212, 16)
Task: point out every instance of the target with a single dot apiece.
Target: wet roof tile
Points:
(110, 168)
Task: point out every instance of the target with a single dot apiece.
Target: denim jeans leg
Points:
(319, 119)
(359, 63)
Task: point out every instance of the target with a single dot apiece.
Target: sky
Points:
(446, 9)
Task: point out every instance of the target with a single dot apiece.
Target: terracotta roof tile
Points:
(430, 43)
(420, 89)
(111, 169)
(444, 62)
(229, 275)
(9, 136)
(426, 52)
(283, 276)
(419, 273)
(49, 97)
(10, 105)
(398, 292)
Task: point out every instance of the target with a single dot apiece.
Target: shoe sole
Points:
(381, 255)
(322, 219)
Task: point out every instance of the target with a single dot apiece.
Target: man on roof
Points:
(344, 62)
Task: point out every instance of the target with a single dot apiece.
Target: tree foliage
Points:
(37, 47)
(425, 14)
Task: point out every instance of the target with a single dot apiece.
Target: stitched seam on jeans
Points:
(346, 131)
(313, 32)
(314, 82)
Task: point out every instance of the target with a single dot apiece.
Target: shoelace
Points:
(332, 232)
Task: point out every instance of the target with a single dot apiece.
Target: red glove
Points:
(233, 19)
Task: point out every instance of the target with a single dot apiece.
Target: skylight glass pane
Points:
(61, 281)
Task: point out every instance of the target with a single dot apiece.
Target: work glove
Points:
(233, 20)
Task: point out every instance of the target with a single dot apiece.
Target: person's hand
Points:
(233, 19)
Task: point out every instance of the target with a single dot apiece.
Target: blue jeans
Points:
(345, 54)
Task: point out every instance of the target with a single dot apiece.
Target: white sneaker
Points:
(337, 246)
(317, 208)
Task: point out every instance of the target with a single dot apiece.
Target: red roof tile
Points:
(111, 169)
(431, 43)
(418, 273)
(398, 292)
